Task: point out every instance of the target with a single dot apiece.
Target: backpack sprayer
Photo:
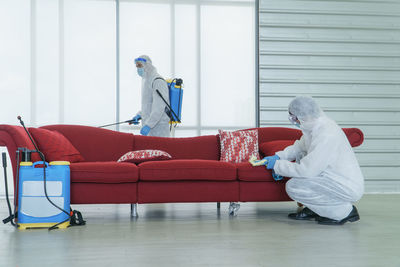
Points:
(43, 197)
(174, 108)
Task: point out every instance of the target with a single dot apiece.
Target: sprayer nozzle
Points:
(20, 120)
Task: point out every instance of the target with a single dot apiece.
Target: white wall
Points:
(346, 54)
(72, 61)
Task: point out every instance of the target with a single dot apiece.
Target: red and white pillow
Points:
(140, 156)
(238, 146)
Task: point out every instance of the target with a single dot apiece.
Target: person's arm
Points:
(313, 164)
(158, 105)
(291, 152)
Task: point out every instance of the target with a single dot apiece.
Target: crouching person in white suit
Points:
(326, 177)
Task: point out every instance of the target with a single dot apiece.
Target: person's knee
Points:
(290, 186)
(297, 189)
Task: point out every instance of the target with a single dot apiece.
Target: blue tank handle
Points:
(40, 162)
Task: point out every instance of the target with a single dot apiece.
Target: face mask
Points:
(293, 120)
(140, 72)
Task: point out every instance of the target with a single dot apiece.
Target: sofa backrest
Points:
(13, 137)
(265, 134)
(96, 144)
(201, 147)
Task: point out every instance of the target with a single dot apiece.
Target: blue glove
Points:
(276, 177)
(145, 130)
(271, 161)
(136, 119)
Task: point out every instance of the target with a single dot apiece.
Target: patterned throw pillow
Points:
(238, 146)
(139, 156)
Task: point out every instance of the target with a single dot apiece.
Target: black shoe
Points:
(304, 214)
(352, 217)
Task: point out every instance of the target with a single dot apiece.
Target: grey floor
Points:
(197, 235)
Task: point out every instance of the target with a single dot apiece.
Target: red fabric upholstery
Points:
(96, 144)
(180, 170)
(91, 193)
(55, 146)
(355, 136)
(202, 147)
(266, 134)
(246, 172)
(14, 137)
(263, 191)
(270, 148)
(188, 191)
(104, 172)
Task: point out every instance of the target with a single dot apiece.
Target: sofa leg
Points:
(218, 205)
(233, 208)
(134, 210)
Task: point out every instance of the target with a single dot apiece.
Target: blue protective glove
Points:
(271, 161)
(276, 177)
(136, 119)
(145, 130)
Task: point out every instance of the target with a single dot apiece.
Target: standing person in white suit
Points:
(326, 176)
(155, 121)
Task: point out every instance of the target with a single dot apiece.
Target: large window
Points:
(72, 61)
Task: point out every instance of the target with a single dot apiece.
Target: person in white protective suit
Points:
(153, 113)
(325, 177)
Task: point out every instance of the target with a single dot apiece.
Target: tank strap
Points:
(157, 78)
(168, 109)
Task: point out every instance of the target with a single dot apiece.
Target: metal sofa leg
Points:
(233, 208)
(218, 205)
(134, 210)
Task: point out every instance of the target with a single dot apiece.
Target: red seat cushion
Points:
(187, 170)
(104, 172)
(246, 172)
(55, 146)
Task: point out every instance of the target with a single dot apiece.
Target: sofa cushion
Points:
(238, 146)
(140, 156)
(185, 170)
(104, 172)
(246, 172)
(55, 146)
(271, 147)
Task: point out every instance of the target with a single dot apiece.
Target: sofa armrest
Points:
(355, 136)
(13, 137)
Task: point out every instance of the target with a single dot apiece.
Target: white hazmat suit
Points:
(153, 107)
(326, 176)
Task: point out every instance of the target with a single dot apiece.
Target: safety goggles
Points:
(139, 62)
(292, 118)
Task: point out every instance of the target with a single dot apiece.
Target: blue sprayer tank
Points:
(175, 99)
(34, 210)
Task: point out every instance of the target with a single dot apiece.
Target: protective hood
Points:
(148, 67)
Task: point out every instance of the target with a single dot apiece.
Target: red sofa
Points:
(194, 174)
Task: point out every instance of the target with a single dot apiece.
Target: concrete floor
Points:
(197, 235)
